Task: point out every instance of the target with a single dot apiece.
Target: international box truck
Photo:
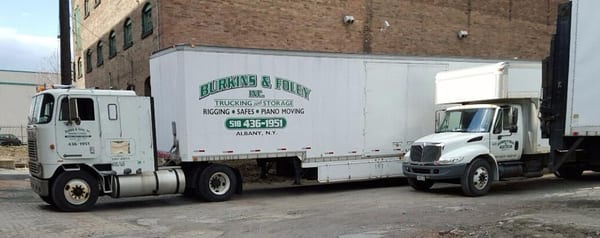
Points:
(314, 116)
(570, 114)
(489, 132)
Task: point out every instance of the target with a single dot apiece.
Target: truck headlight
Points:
(449, 160)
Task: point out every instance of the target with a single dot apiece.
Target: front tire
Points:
(216, 183)
(75, 191)
(420, 185)
(47, 199)
(477, 179)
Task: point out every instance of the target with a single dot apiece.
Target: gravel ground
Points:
(542, 207)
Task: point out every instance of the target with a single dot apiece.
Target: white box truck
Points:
(570, 114)
(315, 116)
(493, 134)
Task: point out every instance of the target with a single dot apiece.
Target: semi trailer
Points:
(315, 117)
(569, 114)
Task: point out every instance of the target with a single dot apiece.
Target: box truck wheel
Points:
(477, 178)
(74, 191)
(420, 185)
(216, 183)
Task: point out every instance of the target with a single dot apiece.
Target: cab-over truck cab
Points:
(490, 138)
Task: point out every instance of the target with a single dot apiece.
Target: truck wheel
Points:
(216, 183)
(568, 172)
(47, 199)
(420, 185)
(75, 191)
(477, 179)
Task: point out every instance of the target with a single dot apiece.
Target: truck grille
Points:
(426, 153)
(35, 168)
(32, 149)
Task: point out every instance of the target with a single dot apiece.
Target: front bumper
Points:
(39, 186)
(433, 172)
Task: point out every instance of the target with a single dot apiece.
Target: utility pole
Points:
(65, 42)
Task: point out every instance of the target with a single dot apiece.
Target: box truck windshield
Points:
(466, 120)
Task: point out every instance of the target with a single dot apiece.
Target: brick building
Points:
(113, 39)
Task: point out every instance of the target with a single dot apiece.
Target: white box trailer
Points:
(350, 116)
(314, 116)
(570, 115)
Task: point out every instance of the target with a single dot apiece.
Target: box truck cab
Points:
(491, 135)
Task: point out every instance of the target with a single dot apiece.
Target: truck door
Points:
(78, 134)
(507, 134)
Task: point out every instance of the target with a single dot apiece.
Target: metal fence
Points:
(18, 131)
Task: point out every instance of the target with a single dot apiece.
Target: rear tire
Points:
(568, 172)
(216, 183)
(74, 191)
(420, 185)
(477, 179)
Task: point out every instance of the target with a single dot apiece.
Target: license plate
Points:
(421, 178)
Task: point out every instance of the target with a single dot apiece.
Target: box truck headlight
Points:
(449, 160)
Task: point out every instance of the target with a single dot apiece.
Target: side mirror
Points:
(73, 113)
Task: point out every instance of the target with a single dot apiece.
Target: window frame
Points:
(79, 67)
(99, 53)
(127, 33)
(86, 9)
(88, 61)
(112, 44)
(147, 25)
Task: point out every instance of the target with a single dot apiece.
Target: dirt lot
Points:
(542, 207)
(16, 153)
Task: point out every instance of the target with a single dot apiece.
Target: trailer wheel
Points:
(477, 179)
(216, 183)
(420, 185)
(75, 191)
(568, 172)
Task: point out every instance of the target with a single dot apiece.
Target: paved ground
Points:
(544, 207)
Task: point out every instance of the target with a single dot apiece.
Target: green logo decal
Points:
(255, 123)
(251, 81)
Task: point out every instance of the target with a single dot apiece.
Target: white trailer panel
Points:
(583, 116)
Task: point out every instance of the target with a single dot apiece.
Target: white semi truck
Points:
(318, 117)
(570, 113)
(489, 132)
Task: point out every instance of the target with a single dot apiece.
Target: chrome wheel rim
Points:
(77, 191)
(219, 183)
(480, 178)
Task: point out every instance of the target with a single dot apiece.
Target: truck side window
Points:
(85, 109)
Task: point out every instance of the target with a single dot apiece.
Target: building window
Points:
(88, 61)
(127, 34)
(86, 8)
(112, 45)
(146, 20)
(99, 54)
(79, 68)
(96, 3)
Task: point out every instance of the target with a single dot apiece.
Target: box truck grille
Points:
(425, 153)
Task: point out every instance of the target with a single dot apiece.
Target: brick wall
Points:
(497, 29)
(131, 65)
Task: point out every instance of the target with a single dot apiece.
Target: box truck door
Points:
(507, 134)
(77, 137)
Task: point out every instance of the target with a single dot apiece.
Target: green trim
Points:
(19, 83)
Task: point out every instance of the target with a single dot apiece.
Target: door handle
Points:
(517, 145)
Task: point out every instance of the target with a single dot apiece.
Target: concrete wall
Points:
(16, 89)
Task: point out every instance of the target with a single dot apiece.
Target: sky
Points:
(29, 32)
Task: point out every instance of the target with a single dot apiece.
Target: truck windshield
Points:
(466, 120)
(41, 110)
